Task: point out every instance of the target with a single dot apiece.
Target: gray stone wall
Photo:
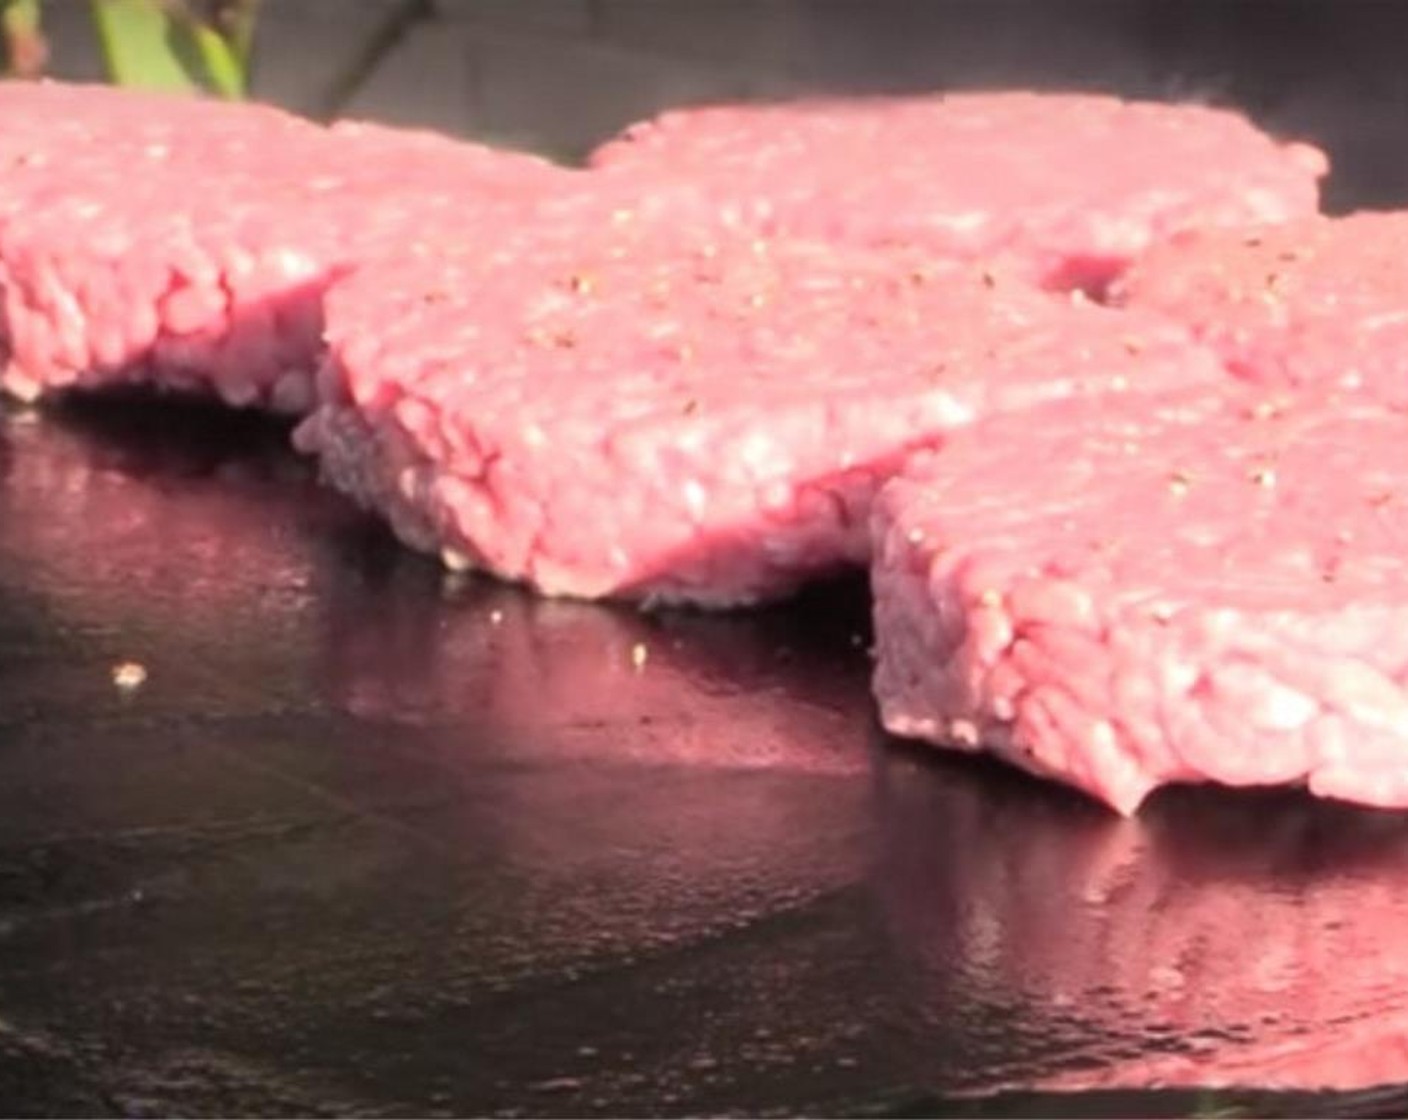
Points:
(556, 75)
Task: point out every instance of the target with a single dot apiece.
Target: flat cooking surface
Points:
(371, 840)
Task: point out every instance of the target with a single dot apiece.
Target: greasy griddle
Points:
(372, 839)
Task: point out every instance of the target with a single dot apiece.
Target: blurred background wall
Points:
(558, 74)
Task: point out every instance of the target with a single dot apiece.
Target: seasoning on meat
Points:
(1072, 186)
(187, 243)
(1314, 302)
(1042, 594)
(690, 444)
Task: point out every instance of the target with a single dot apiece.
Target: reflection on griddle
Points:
(1219, 939)
(559, 679)
(123, 521)
(157, 512)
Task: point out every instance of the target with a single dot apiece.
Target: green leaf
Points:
(162, 44)
(25, 47)
(19, 16)
(237, 22)
(1210, 1105)
(136, 40)
(224, 68)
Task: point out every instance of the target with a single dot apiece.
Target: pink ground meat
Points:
(188, 243)
(1322, 301)
(1072, 185)
(653, 404)
(1120, 596)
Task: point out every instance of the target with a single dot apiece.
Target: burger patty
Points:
(1070, 186)
(1122, 594)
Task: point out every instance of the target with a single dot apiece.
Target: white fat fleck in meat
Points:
(963, 221)
(1382, 320)
(293, 263)
(963, 732)
(696, 497)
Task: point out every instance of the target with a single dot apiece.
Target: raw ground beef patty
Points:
(1072, 185)
(1126, 595)
(1320, 301)
(187, 243)
(655, 405)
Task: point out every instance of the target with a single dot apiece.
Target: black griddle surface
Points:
(372, 840)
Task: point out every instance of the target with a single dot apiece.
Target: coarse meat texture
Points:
(187, 243)
(1072, 186)
(1318, 302)
(654, 404)
(1206, 588)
